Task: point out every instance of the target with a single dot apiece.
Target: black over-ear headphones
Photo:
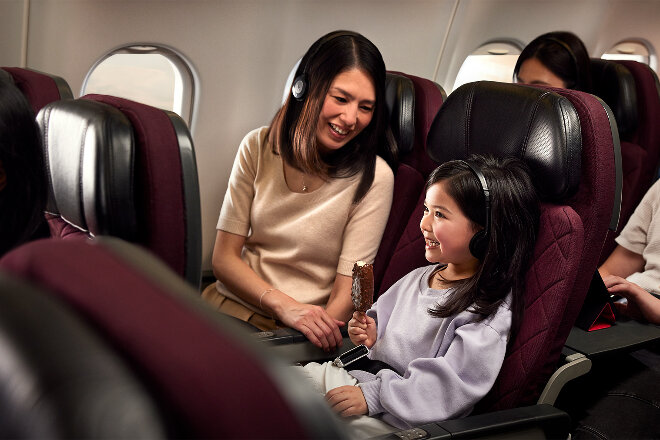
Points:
(479, 242)
(300, 83)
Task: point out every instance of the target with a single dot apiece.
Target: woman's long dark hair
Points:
(564, 54)
(514, 219)
(292, 132)
(23, 200)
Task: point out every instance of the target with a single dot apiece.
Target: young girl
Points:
(438, 336)
(308, 196)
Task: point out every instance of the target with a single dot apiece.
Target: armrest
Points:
(293, 346)
(624, 335)
(537, 421)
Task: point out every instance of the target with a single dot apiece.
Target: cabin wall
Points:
(11, 32)
(241, 51)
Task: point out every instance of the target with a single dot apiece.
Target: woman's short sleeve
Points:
(367, 221)
(235, 211)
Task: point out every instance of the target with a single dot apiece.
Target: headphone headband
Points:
(300, 83)
(479, 242)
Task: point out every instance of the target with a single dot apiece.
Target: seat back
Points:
(410, 128)
(38, 87)
(570, 148)
(121, 168)
(640, 146)
(614, 83)
(209, 378)
(429, 96)
(58, 379)
(400, 96)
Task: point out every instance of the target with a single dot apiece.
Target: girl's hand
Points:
(320, 328)
(347, 401)
(362, 329)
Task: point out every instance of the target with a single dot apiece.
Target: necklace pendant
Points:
(304, 188)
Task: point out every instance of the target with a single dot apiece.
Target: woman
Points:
(23, 190)
(308, 196)
(556, 59)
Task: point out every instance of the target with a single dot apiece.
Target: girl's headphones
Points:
(479, 242)
(300, 84)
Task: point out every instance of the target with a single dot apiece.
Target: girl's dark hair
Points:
(514, 219)
(564, 54)
(292, 132)
(23, 200)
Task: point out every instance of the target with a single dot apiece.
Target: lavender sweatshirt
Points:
(447, 364)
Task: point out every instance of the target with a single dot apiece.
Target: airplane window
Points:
(633, 49)
(151, 75)
(493, 61)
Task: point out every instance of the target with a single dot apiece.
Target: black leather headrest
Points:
(614, 84)
(400, 100)
(90, 154)
(536, 125)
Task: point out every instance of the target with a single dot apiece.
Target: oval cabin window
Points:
(493, 61)
(633, 49)
(152, 75)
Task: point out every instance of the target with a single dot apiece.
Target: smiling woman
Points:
(346, 111)
(308, 196)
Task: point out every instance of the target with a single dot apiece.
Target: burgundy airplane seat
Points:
(58, 379)
(39, 88)
(417, 102)
(614, 84)
(570, 147)
(640, 146)
(121, 168)
(429, 96)
(208, 378)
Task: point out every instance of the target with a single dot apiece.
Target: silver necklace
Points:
(304, 187)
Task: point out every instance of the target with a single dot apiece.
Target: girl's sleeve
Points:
(235, 211)
(366, 224)
(434, 389)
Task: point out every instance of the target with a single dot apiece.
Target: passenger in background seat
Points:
(556, 59)
(633, 268)
(308, 196)
(627, 385)
(438, 336)
(23, 186)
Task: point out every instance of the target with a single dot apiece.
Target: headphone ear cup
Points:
(299, 87)
(478, 244)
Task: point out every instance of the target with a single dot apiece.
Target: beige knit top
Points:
(298, 242)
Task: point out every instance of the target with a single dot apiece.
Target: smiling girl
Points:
(438, 336)
(308, 196)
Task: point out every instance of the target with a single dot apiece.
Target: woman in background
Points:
(556, 59)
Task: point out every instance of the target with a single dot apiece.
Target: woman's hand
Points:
(642, 306)
(362, 329)
(314, 322)
(347, 401)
